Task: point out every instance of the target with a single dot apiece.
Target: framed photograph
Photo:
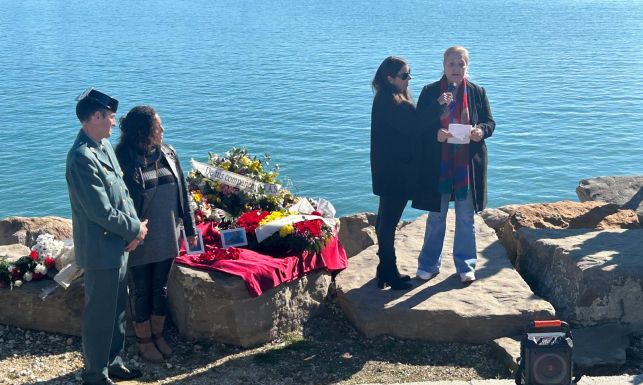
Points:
(196, 249)
(233, 237)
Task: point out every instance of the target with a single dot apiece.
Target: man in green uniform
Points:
(106, 229)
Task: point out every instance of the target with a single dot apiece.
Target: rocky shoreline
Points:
(330, 349)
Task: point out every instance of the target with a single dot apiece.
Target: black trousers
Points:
(148, 289)
(388, 215)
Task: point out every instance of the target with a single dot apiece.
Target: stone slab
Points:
(60, 312)
(498, 304)
(215, 306)
(591, 277)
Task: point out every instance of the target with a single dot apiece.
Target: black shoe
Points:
(104, 381)
(120, 372)
(394, 284)
(388, 277)
(403, 277)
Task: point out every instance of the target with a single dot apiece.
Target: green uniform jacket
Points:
(103, 215)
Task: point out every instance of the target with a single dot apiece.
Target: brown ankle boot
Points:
(158, 323)
(146, 348)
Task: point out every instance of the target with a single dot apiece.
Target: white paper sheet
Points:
(460, 132)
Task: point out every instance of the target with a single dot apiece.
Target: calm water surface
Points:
(291, 78)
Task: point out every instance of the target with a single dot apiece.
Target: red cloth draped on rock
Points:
(262, 272)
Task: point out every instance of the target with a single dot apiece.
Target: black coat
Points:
(127, 160)
(394, 134)
(428, 109)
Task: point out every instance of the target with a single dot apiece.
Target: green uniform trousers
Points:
(103, 336)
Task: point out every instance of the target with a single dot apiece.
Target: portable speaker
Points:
(546, 354)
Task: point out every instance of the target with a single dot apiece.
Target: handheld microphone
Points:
(450, 88)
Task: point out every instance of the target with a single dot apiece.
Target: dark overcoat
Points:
(394, 137)
(428, 109)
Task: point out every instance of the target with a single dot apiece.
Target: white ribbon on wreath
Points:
(235, 180)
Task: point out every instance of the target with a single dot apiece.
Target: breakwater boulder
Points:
(24, 306)
(215, 306)
(624, 191)
(357, 232)
(11, 253)
(558, 215)
(25, 230)
(591, 277)
(59, 312)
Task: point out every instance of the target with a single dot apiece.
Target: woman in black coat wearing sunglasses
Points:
(394, 132)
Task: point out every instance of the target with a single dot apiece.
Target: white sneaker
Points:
(467, 277)
(424, 275)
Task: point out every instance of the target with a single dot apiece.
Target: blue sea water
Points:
(292, 78)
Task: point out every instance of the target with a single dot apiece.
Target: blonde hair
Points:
(457, 49)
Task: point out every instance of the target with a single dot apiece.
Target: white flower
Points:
(47, 246)
(11, 268)
(27, 277)
(40, 268)
(18, 283)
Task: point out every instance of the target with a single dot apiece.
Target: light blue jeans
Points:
(464, 243)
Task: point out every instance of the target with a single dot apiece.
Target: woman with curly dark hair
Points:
(154, 177)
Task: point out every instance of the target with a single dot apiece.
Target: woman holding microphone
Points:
(452, 172)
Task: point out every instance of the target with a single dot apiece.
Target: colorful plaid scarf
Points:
(454, 162)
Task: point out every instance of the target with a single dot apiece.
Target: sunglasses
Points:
(404, 76)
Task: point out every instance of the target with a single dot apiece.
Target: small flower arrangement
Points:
(298, 235)
(209, 194)
(34, 266)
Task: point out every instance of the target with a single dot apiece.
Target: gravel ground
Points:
(328, 351)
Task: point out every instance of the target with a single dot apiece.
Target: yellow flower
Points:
(272, 217)
(287, 229)
(245, 161)
(225, 165)
(256, 165)
(197, 196)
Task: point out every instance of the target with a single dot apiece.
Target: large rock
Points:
(498, 304)
(60, 312)
(591, 277)
(357, 232)
(495, 218)
(210, 305)
(564, 215)
(11, 253)
(25, 230)
(625, 191)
